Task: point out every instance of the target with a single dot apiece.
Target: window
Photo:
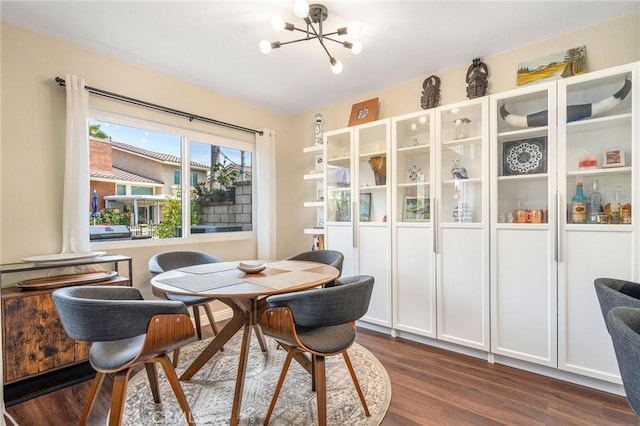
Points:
(136, 169)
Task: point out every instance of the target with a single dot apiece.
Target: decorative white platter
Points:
(62, 257)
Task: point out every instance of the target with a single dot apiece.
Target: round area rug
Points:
(210, 391)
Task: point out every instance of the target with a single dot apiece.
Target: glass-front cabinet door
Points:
(598, 152)
(373, 231)
(461, 223)
(413, 246)
(523, 224)
(358, 202)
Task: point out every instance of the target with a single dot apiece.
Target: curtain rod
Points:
(156, 107)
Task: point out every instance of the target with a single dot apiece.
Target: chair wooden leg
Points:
(91, 398)
(321, 390)
(153, 381)
(118, 396)
(283, 375)
(176, 355)
(196, 316)
(163, 360)
(313, 373)
(356, 383)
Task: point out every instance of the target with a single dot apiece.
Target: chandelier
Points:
(314, 15)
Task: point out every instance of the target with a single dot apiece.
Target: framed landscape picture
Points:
(552, 67)
(416, 209)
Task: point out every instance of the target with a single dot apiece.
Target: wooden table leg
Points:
(242, 368)
(236, 323)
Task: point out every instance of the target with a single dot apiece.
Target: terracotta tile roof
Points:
(122, 175)
(167, 158)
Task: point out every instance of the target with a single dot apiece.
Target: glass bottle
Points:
(579, 205)
(595, 202)
(615, 205)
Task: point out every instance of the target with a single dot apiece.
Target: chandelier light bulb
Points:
(354, 28)
(301, 8)
(265, 46)
(336, 66)
(356, 47)
(277, 23)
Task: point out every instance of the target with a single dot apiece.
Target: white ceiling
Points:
(215, 43)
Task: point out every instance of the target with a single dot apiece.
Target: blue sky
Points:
(163, 142)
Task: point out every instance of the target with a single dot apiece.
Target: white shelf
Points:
(373, 188)
(414, 149)
(464, 141)
(314, 203)
(412, 184)
(312, 176)
(374, 154)
(598, 123)
(527, 133)
(314, 231)
(315, 149)
(536, 176)
(599, 172)
(470, 180)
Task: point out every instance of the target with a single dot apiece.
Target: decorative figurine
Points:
(415, 173)
(318, 130)
(477, 79)
(430, 93)
(458, 171)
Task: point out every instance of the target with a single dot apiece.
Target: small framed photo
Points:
(365, 207)
(364, 112)
(416, 209)
(613, 158)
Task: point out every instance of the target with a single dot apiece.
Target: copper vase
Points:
(379, 166)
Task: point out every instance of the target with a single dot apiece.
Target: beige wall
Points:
(33, 126)
(609, 44)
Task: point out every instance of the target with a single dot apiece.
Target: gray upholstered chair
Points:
(125, 331)
(170, 260)
(624, 327)
(328, 257)
(613, 292)
(322, 323)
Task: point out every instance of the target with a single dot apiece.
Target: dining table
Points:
(245, 293)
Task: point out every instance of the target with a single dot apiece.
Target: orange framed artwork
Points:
(364, 112)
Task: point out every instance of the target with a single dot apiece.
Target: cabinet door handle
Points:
(434, 225)
(557, 227)
(354, 225)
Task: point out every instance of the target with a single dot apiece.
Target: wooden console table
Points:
(34, 341)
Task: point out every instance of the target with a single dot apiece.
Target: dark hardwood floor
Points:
(430, 386)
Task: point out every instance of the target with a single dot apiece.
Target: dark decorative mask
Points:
(430, 93)
(477, 75)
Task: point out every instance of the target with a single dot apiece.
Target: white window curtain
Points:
(76, 199)
(266, 194)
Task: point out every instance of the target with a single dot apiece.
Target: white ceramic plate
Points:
(63, 257)
(252, 267)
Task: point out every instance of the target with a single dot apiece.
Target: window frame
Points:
(187, 136)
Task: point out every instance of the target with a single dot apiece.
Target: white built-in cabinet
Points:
(461, 223)
(483, 254)
(413, 173)
(544, 306)
(523, 254)
(358, 208)
(586, 252)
